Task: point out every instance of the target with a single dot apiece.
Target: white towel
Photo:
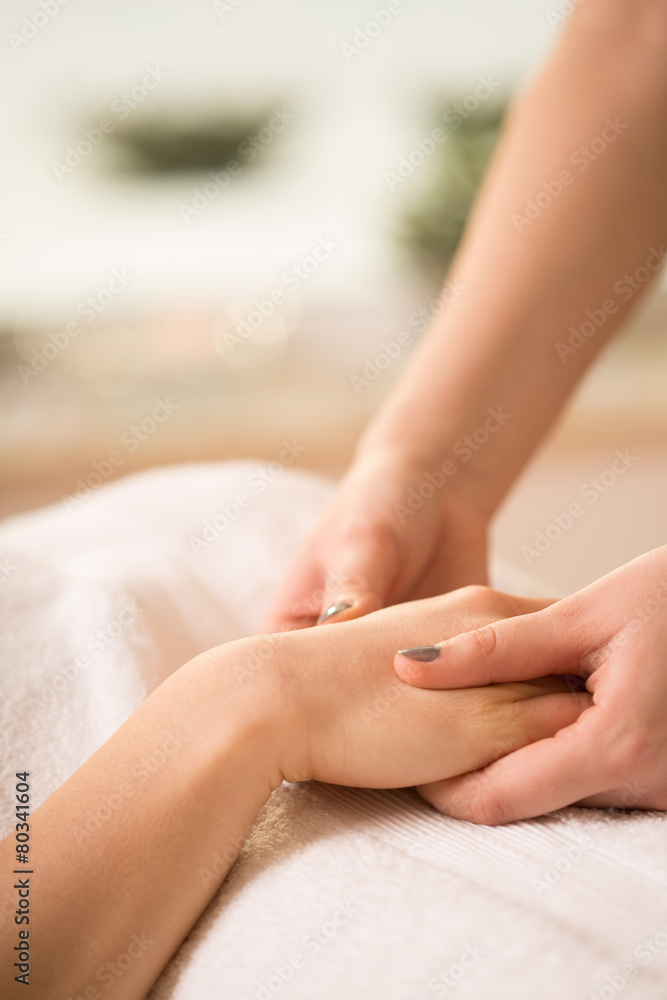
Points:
(337, 893)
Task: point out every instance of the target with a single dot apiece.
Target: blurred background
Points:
(211, 221)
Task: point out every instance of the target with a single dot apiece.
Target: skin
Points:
(495, 344)
(303, 705)
(301, 715)
(613, 634)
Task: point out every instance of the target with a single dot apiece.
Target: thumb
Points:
(362, 576)
(513, 649)
(356, 584)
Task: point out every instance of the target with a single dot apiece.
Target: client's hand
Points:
(122, 848)
(349, 720)
(613, 634)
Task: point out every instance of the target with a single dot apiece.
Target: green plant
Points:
(432, 228)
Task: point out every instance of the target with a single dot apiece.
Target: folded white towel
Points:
(337, 893)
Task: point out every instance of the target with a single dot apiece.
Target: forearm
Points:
(505, 340)
(128, 852)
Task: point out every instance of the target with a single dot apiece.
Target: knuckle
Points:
(483, 602)
(484, 639)
(476, 594)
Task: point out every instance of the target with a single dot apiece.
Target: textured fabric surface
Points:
(337, 892)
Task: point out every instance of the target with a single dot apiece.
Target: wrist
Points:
(230, 719)
(445, 464)
(382, 443)
(263, 706)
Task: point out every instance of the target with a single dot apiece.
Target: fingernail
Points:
(335, 609)
(423, 654)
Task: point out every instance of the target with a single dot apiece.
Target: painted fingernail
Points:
(335, 609)
(423, 654)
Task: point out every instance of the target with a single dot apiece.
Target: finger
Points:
(362, 576)
(312, 594)
(514, 649)
(605, 800)
(538, 717)
(633, 795)
(541, 717)
(535, 780)
(298, 602)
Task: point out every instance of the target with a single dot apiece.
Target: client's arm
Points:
(118, 850)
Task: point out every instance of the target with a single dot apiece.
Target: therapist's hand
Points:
(389, 535)
(613, 634)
